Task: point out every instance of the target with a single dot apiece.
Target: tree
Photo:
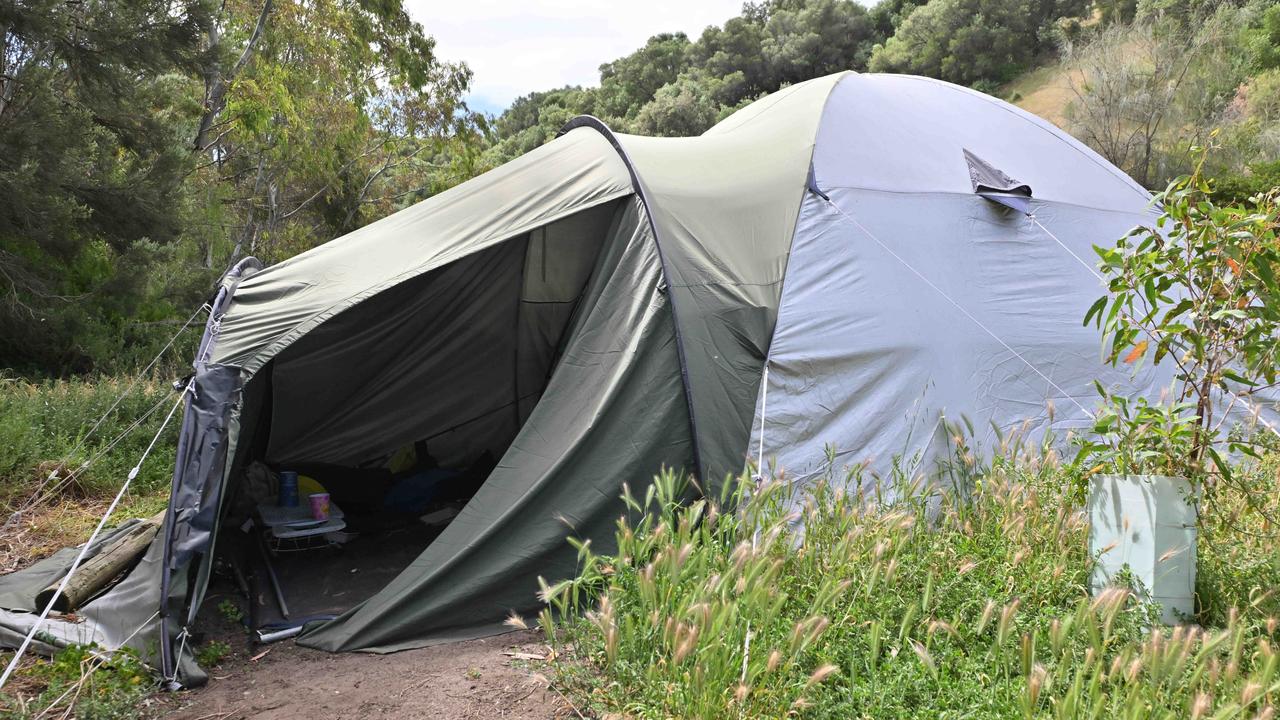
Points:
(321, 115)
(683, 108)
(93, 98)
(810, 39)
(1143, 94)
(971, 41)
(629, 82)
(1198, 291)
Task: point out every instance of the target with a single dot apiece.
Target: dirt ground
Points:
(490, 678)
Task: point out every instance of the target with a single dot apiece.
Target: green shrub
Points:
(1239, 187)
(42, 424)
(212, 653)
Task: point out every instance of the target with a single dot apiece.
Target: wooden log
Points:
(99, 570)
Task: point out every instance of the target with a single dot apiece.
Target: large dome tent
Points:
(830, 270)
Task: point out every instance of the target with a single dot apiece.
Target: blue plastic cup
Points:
(288, 489)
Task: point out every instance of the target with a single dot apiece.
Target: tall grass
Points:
(43, 426)
(844, 605)
(49, 497)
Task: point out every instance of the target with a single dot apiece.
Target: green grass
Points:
(44, 429)
(931, 607)
(43, 423)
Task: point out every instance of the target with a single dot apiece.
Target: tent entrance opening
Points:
(399, 408)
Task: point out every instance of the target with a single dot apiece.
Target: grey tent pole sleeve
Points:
(218, 306)
(595, 123)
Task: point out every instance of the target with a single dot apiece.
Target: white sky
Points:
(517, 46)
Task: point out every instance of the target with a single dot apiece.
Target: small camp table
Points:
(295, 524)
(286, 529)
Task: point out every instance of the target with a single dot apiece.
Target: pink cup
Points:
(319, 506)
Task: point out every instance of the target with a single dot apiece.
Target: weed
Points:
(230, 611)
(212, 653)
(82, 681)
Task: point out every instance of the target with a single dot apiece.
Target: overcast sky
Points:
(517, 46)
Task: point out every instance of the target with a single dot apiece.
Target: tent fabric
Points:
(398, 368)
(816, 271)
(904, 287)
(868, 355)
(724, 207)
(987, 178)
(284, 302)
(613, 413)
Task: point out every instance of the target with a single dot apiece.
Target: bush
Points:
(42, 425)
(933, 606)
(79, 682)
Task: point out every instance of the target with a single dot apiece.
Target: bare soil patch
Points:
(489, 678)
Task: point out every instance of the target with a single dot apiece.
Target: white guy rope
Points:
(53, 475)
(142, 373)
(45, 491)
(959, 307)
(84, 549)
(1253, 409)
(1071, 252)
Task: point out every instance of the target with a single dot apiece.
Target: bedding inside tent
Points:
(399, 408)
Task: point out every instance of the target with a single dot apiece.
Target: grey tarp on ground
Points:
(125, 615)
(613, 413)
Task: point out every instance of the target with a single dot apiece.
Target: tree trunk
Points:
(102, 568)
(216, 83)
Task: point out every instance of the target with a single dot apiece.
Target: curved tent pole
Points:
(595, 123)
(217, 308)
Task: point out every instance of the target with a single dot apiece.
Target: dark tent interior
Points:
(398, 408)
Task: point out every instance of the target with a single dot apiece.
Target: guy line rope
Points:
(958, 306)
(84, 549)
(44, 491)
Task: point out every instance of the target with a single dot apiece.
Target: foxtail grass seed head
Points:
(1134, 669)
(1250, 692)
(988, 612)
(822, 673)
(1201, 706)
(925, 658)
(515, 621)
(1035, 683)
(775, 659)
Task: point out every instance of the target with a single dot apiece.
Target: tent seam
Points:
(595, 123)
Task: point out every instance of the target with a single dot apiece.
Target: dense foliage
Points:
(675, 85)
(147, 144)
